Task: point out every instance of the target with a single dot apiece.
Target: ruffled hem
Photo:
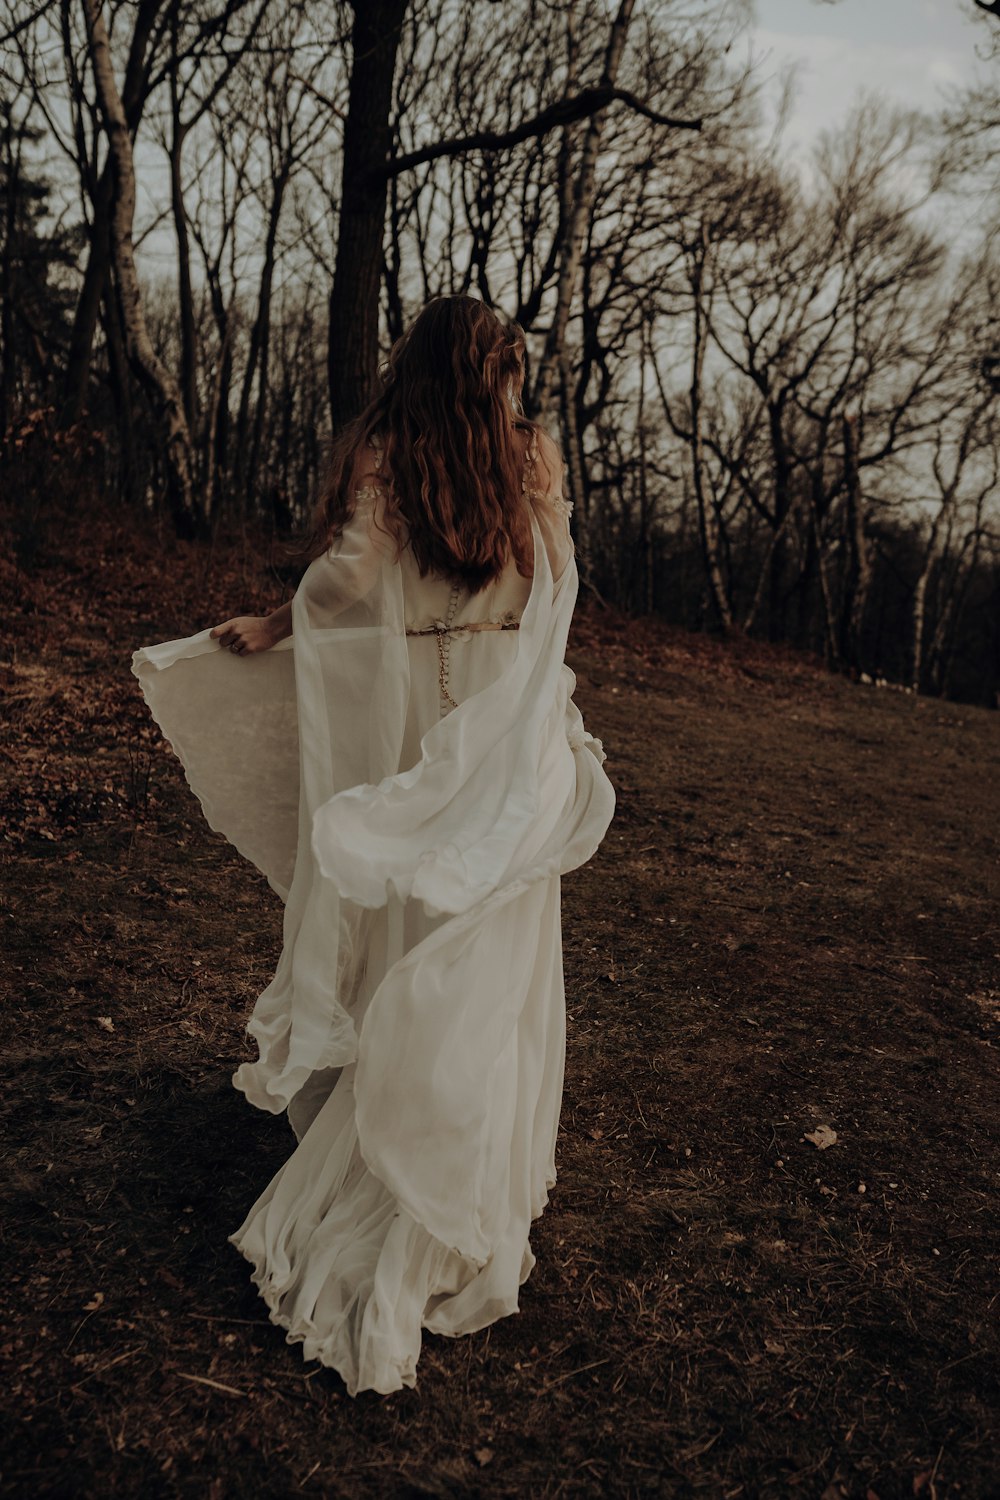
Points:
(328, 1347)
(354, 1278)
(332, 1348)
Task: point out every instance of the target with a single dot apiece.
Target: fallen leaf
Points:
(822, 1137)
(483, 1456)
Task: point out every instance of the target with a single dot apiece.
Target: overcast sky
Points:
(908, 50)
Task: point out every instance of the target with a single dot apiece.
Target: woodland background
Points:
(777, 388)
(776, 393)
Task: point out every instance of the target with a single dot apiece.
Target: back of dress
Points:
(421, 779)
(459, 642)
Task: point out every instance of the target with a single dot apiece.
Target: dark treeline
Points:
(776, 383)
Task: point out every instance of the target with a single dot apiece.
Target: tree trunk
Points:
(857, 579)
(708, 521)
(919, 617)
(575, 479)
(95, 276)
(248, 444)
(782, 516)
(185, 293)
(571, 252)
(88, 307)
(352, 361)
(8, 361)
(815, 565)
(121, 395)
(161, 386)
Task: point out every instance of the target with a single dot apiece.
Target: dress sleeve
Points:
(552, 510)
(345, 575)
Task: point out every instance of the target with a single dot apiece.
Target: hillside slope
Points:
(792, 924)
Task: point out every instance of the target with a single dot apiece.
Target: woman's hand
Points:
(245, 634)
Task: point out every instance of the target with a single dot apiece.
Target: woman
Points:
(398, 751)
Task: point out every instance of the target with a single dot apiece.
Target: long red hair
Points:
(449, 425)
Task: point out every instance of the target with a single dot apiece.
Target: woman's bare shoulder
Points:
(537, 445)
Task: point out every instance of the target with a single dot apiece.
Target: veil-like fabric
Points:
(294, 755)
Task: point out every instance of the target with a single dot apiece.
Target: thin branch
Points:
(26, 23)
(562, 112)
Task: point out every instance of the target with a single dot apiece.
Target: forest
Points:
(775, 377)
(768, 1267)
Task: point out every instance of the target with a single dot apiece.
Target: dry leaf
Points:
(822, 1137)
(483, 1456)
(105, 1023)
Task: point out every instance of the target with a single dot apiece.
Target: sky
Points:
(908, 50)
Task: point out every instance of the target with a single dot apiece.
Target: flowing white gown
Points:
(415, 1026)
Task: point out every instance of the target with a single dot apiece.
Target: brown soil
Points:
(791, 924)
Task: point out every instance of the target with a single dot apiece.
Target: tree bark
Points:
(8, 362)
(352, 360)
(565, 111)
(919, 612)
(160, 385)
(708, 524)
(121, 395)
(858, 574)
(575, 479)
(783, 501)
(571, 252)
(185, 292)
(98, 265)
(88, 307)
(247, 448)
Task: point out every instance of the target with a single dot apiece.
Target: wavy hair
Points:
(447, 420)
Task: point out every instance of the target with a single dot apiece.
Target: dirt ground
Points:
(792, 924)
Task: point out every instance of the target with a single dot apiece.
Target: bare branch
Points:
(26, 23)
(563, 112)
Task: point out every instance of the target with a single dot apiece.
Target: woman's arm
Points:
(246, 634)
(350, 571)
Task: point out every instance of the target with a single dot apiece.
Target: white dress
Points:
(415, 1026)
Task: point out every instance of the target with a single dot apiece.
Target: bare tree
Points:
(368, 167)
(160, 384)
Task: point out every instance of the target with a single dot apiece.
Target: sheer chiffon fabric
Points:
(414, 1029)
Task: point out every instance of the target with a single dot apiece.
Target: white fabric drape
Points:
(414, 1025)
